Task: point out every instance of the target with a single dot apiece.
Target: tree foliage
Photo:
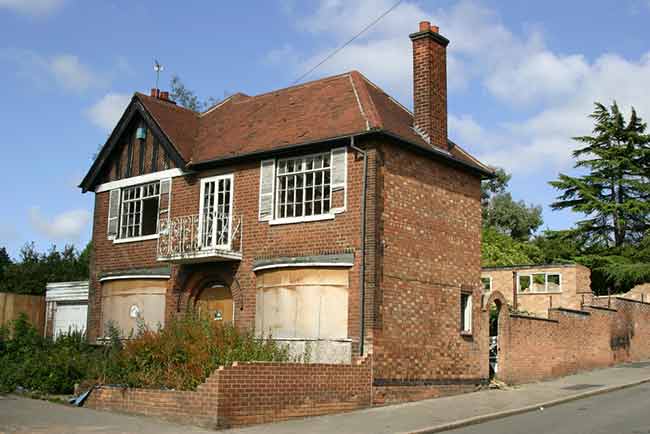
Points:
(614, 193)
(502, 213)
(186, 97)
(514, 218)
(33, 270)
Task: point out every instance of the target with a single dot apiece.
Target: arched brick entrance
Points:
(495, 307)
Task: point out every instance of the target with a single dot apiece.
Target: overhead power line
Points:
(333, 53)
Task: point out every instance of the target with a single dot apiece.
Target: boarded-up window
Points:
(302, 303)
(127, 303)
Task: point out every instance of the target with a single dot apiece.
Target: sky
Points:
(523, 76)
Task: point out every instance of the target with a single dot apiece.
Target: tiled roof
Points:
(320, 110)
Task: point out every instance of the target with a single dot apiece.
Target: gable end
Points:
(103, 159)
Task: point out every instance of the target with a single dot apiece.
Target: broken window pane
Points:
(539, 282)
(553, 282)
(524, 283)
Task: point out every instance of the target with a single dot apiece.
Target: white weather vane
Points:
(158, 68)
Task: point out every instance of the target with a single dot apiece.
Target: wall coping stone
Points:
(565, 309)
(537, 318)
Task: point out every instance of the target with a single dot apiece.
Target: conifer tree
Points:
(613, 189)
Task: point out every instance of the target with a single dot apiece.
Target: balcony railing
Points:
(200, 238)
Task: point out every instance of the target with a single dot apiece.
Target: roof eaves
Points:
(433, 151)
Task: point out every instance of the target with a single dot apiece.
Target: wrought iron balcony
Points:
(200, 238)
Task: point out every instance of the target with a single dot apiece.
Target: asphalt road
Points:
(623, 412)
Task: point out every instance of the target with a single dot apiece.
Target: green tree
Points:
(514, 218)
(186, 97)
(5, 260)
(499, 249)
(33, 270)
(501, 212)
(614, 193)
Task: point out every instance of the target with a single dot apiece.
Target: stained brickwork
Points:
(250, 393)
(430, 240)
(570, 341)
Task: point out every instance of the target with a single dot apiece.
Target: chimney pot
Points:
(164, 95)
(424, 26)
(435, 29)
(155, 92)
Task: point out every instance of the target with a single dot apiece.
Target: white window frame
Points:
(118, 239)
(466, 314)
(490, 279)
(216, 180)
(329, 215)
(530, 275)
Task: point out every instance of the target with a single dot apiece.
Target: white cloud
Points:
(32, 7)
(107, 111)
(66, 71)
(71, 74)
(67, 225)
(551, 93)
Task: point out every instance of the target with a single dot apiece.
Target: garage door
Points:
(70, 317)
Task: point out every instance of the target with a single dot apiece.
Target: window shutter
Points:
(165, 202)
(113, 213)
(267, 181)
(339, 168)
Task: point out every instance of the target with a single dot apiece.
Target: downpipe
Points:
(362, 272)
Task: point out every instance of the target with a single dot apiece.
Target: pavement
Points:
(22, 415)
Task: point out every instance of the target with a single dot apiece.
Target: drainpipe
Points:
(362, 276)
(514, 291)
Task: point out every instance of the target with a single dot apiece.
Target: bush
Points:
(39, 364)
(183, 354)
(180, 356)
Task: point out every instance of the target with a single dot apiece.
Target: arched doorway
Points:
(215, 303)
(494, 313)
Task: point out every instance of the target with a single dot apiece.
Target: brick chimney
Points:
(430, 84)
(163, 95)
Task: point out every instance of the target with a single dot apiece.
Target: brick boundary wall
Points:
(250, 393)
(570, 341)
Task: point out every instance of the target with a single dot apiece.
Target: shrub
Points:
(183, 354)
(39, 364)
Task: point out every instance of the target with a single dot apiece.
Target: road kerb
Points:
(502, 414)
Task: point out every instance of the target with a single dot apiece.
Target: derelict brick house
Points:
(266, 211)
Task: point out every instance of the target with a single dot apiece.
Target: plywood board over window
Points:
(302, 303)
(129, 303)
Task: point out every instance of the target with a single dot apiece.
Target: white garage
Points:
(66, 307)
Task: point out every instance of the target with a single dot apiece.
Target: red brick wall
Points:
(430, 236)
(250, 393)
(533, 349)
(260, 240)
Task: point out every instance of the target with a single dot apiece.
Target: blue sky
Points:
(522, 76)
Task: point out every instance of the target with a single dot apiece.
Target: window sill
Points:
(466, 334)
(134, 239)
(290, 220)
(539, 292)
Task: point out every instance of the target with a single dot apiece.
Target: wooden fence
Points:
(12, 305)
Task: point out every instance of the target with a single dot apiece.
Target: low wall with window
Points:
(569, 341)
(250, 393)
